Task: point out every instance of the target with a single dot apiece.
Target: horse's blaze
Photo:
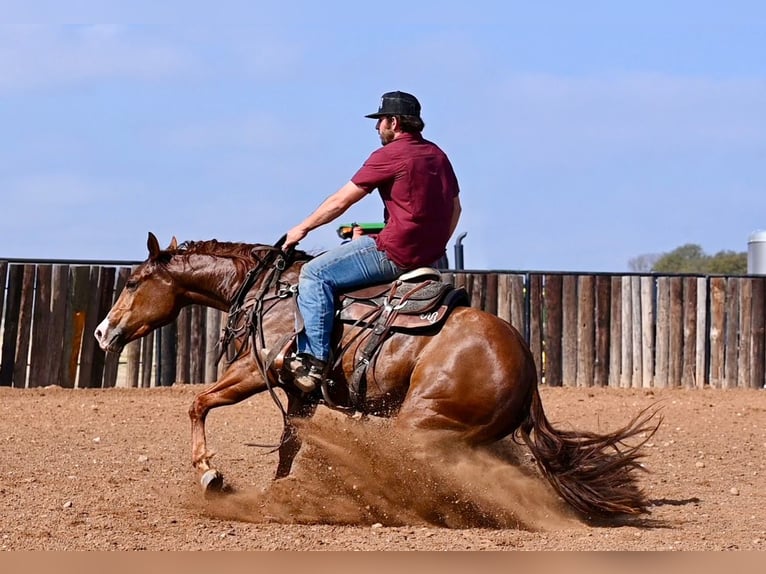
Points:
(114, 338)
(103, 335)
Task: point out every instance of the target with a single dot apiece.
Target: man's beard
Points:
(386, 137)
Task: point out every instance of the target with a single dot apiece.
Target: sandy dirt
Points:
(110, 470)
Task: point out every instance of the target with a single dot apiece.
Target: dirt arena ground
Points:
(109, 470)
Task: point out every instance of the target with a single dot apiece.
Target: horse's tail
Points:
(594, 473)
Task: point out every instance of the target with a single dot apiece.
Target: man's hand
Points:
(294, 236)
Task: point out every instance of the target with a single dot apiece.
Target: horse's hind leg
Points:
(291, 442)
(239, 382)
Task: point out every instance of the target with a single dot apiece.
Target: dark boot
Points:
(307, 371)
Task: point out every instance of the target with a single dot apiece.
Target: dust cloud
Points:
(363, 472)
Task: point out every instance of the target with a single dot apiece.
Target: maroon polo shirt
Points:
(418, 186)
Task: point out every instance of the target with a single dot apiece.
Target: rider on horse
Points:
(420, 193)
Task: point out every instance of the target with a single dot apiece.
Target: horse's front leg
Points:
(240, 381)
(290, 444)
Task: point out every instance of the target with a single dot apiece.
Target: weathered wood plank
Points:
(689, 368)
(519, 317)
(701, 370)
(547, 360)
(59, 305)
(586, 330)
(106, 278)
(602, 310)
(197, 345)
(615, 332)
(48, 326)
(547, 290)
(147, 360)
(461, 280)
(731, 334)
(478, 290)
(90, 320)
(74, 331)
(21, 364)
(647, 331)
(717, 333)
(168, 355)
(758, 348)
(212, 334)
(490, 298)
(626, 292)
(11, 324)
(510, 301)
(662, 348)
(3, 284)
(745, 332)
(676, 334)
(504, 297)
(41, 316)
(569, 330)
(132, 353)
(184, 345)
(637, 374)
(467, 282)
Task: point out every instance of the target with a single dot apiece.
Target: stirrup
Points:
(307, 371)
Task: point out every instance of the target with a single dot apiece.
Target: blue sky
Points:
(583, 133)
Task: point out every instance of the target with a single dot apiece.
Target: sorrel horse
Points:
(473, 381)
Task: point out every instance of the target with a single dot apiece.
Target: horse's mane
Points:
(246, 254)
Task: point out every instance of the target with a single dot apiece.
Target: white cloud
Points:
(69, 215)
(547, 115)
(47, 191)
(41, 56)
(265, 55)
(251, 131)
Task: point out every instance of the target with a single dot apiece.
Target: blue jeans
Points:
(352, 264)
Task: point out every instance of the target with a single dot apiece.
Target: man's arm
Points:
(456, 211)
(330, 208)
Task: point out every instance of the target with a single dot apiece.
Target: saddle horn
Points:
(281, 241)
(288, 253)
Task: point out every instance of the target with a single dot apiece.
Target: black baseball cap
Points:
(397, 104)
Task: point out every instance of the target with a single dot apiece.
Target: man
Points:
(420, 193)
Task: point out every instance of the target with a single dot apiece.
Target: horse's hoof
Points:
(212, 481)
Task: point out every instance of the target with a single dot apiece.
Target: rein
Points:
(278, 260)
(244, 321)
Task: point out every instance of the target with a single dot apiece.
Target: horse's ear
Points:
(153, 245)
(173, 244)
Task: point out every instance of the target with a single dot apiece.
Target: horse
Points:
(472, 381)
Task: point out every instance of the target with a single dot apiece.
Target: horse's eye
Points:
(131, 285)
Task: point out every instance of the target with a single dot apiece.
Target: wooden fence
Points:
(636, 331)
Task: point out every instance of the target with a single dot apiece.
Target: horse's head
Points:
(149, 300)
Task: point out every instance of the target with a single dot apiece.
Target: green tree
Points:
(691, 258)
(728, 263)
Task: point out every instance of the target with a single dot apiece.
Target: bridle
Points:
(246, 320)
(243, 320)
